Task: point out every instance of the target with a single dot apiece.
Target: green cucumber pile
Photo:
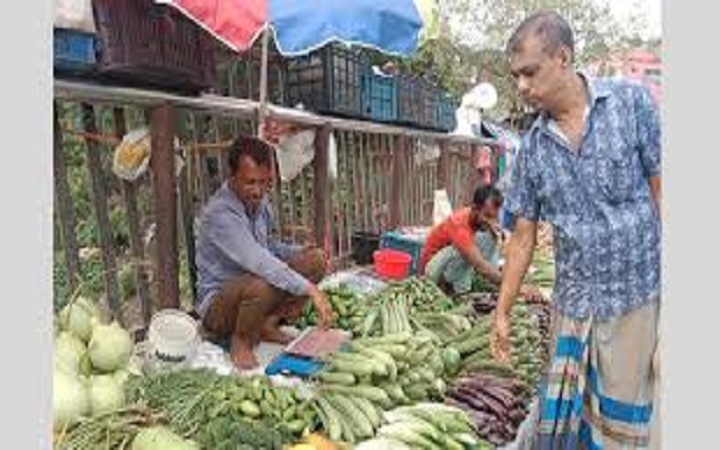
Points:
(428, 426)
(377, 374)
(350, 308)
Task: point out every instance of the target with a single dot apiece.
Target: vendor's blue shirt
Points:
(598, 200)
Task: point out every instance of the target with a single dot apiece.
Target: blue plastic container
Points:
(380, 97)
(74, 51)
(446, 111)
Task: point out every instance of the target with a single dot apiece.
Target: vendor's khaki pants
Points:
(244, 303)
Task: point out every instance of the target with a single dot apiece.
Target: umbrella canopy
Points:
(301, 26)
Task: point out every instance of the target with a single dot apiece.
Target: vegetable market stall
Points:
(417, 373)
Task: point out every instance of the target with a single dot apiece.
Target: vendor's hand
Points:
(532, 294)
(500, 338)
(322, 306)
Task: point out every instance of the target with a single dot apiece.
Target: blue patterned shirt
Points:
(598, 200)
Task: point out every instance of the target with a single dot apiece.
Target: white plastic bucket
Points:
(173, 339)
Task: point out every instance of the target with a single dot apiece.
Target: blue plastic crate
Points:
(74, 51)
(380, 97)
(409, 244)
(446, 112)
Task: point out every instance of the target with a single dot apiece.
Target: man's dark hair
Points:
(252, 147)
(552, 29)
(484, 193)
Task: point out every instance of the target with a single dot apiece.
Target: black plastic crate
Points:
(152, 45)
(411, 108)
(364, 244)
(238, 75)
(75, 52)
(429, 98)
(447, 105)
(328, 80)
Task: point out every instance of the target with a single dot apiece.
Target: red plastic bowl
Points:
(392, 264)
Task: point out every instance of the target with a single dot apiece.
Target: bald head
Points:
(547, 26)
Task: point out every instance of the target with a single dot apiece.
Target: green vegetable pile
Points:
(528, 350)
(193, 400)
(91, 364)
(376, 374)
(114, 430)
(350, 310)
(425, 426)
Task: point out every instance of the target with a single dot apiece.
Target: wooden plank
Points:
(129, 191)
(321, 184)
(358, 206)
(396, 180)
(366, 182)
(65, 210)
(162, 163)
(100, 206)
(304, 203)
(348, 203)
(200, 157)
(338, 198)
(351, 183)
(442, 168)
(376, 154)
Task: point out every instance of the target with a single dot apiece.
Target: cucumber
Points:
(344, 378)
(361, 426)
(334, 421)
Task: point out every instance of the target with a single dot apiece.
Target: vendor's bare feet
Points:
(242, 354)
(270, 332)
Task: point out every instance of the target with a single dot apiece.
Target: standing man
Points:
(247, 281)
(590, 165)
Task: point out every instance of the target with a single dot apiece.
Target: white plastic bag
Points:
(294, 152)
(332, 157)
(426, 151)
(132, 157)
(442, 209)
(75, 15)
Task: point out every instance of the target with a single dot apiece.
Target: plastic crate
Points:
(447, 120)
(380, 97)
(410, 105)
(409, 244)
(238, 75)
(152, 45)
(363, 246)
(74, 51)
(328, 80)
(429, 98)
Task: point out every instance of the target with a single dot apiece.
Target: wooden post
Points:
(162, 163)
(64, 207)
(442, 167)
(396, 181)
(321, 184)
(99, 195)
(474, 179)
(136, 246)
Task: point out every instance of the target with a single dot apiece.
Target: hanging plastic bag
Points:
(74, 15)
(332, 157)
(132, 156)
(426, 151)
(442, 209)
(294, 152)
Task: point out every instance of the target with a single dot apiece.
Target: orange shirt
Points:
(455, 230)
